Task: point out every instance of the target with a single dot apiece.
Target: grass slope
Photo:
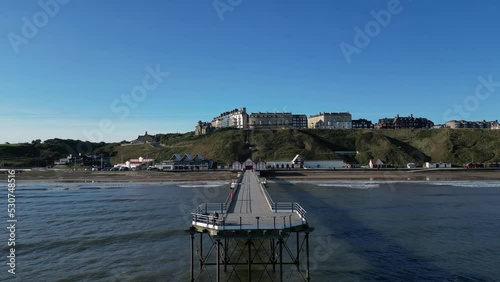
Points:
(397, 147)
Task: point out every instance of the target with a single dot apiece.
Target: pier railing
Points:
(205, 215)
(276, 207)
(211, 208)
(214, 215)
(245, 222)
(220, 208)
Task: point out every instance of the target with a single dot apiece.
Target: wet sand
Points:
(390, 174)
(121, 176)
(344, 174)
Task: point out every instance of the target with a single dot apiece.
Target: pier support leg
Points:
(192, 257)
(249, 242)
(297, 261)
(201, 251)
(273, 254)
(225, 255)
(308, 277)
(280, 243)
(218, 261)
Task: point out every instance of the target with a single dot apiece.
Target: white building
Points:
(237, 118)
(377, 163)
(297, 162)
(249, 164)
(260, 165)
(330, 120)
(186, 162)
(280, 165)
(437, 165)
(135, 163)
(330, 164)
(236, 165)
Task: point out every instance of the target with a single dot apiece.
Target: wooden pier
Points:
(249, 236)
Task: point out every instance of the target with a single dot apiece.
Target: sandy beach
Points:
(121, 176)
(351, 174)
(390, 174)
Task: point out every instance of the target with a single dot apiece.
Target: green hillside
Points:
(38, 153)
(397, 147)
(225, 145)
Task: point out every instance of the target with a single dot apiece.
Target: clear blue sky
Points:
(266, 55)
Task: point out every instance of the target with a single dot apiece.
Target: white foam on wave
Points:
(351, 185)
(199, 185)
(467, 183)
(202, 184)
(340, 181)
(355, 184)
(62, 188)
(85, 186)
(360, 184)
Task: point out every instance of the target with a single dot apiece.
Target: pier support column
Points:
(218, 261)
(308, 277)
(280, 243)
(249, 242)
(297, 261)
(273, 254)
(192, 257)
(201, 251)
(226, 259)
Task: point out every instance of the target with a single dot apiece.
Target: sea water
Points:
(364, 230)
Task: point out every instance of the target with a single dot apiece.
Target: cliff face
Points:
(397, 147)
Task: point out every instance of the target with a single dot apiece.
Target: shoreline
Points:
(388, 174)
(122, 176)
(170, 176)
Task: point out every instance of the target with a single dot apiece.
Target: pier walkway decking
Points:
(250, 207)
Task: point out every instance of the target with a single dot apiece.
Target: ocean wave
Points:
(350, 185)
(359, 184)
(62, 188)
(85, 187)
(353, 184)
(211, 184)
(111, 186)
(81, 243)
(466, 184)
(200, 185)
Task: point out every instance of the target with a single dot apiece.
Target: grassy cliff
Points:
(397, 147)
(38, 153)
(225, 145)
